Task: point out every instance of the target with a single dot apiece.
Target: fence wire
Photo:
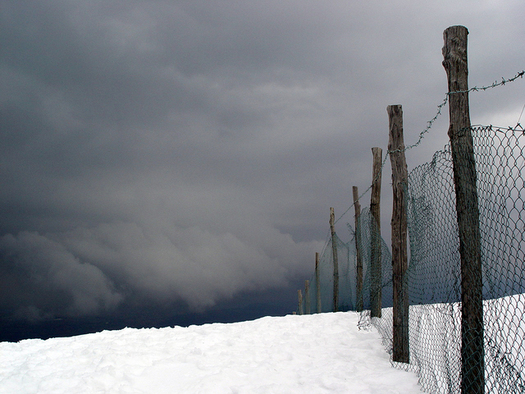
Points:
(434, 271)
(346, 252)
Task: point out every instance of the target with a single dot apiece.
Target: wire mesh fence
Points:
(346, 252)
(464, 287)
(434, 272)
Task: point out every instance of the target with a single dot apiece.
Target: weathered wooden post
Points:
(300, 302)
(317, 283)
(335, 261)
(375, 227)
(359, 256)
(307, 297)
(396, 149)
(464, 166)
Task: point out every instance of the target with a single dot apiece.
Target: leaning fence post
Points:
(464, 166)
(375, 227)
(359, 257)
(396, 150)
(335, 261)
(307, 297)
(317, 283)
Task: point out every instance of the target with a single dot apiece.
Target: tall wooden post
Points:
(317, 283)
(396, 148)
(335, 261)
(459, 132)
(359, 256)
(307, 297)
(375, 226)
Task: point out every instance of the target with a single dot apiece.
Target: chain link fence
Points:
(346, 252)
(434, 272)
(493, 248)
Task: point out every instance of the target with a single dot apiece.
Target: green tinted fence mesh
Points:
(366, 226)
(434, 277)
(434, 271)
(347, 278)
(346, 252)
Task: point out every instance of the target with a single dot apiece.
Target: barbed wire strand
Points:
(430, 123)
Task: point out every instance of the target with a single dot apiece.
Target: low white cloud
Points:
(92, 270)
(54, 280)
(196, 265)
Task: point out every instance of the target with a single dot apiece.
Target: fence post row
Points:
(464, 169)
(459, 132)
(335, 261)
(359, 256)
(396, 149)
(375, 227)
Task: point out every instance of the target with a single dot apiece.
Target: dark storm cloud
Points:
(190, 150)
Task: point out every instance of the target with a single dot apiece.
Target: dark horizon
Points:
(244, 308)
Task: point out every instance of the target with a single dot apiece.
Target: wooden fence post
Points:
(375, 227)
(359, 257)
(396, 149)
(462, 147)
(335, 261)
(300, 302)
(317, 283)
(307, 297)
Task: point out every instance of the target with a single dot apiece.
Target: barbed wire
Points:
(430, 123)
(493, 85)
(445, 100)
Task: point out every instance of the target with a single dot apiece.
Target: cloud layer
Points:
(174, 150)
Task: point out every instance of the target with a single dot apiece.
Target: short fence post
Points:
(462, 147)
(317, 283)
(375, 227)
(300, 302)
(307, 297)
(359, 257)
(335, 261)
(396, 149)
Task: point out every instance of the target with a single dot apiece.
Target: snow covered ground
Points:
(435, 344)
(324, 353)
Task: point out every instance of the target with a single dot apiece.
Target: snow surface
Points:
(323, 353)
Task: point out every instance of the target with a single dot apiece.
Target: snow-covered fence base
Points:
(435, 343)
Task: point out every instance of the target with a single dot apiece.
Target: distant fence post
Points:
(317, 283)
(359, 257)
(335, 261)
(396, 149)
(375, 260)
(299, 302)
(307, 297)
(459, 132)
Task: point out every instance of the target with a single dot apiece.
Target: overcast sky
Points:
(159, 151)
